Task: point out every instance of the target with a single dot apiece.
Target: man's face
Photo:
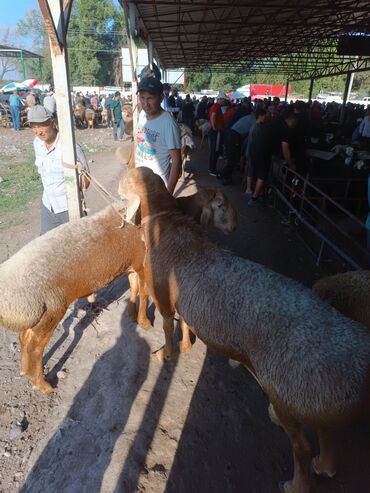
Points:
(44, 131)
(150, 103)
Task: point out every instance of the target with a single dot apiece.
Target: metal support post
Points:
(311, 89)
(286, 90)
(347, 89)
(41, 75)
(150, 54)
(56, 16)
(23, 66)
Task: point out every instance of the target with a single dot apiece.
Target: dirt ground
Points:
(120, 421)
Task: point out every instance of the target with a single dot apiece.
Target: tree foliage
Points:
(33, 27)
(7, 65)
(96, 35)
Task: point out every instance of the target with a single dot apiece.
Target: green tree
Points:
(33, 26)
(95, 37)
(196, 80)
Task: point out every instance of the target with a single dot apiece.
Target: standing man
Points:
(158, 135)
(50, 103)
(168, 102)
(216, 119)
(48, 153)
(15, 103)
(116, 109)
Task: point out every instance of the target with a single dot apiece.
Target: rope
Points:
(103, 192)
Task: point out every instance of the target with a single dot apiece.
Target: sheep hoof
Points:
(44, 387)
(163, 354)
(91, 298)
(289, 487)
(322, 469)
(185, 346)
(145, 323)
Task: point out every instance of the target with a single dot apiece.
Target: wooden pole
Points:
(130, 19)
(56, 18)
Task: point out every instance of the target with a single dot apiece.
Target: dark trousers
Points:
(16, 116)
(233, 143)
(216, 139)
(51, 220)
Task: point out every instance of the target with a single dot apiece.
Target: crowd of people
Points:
(248, 134)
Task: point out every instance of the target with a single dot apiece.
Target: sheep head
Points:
(143, 188)
(217, 211)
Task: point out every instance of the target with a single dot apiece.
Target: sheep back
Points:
(66, 263)
(349, 293)
(308, 358)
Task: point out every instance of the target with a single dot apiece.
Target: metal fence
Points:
(334, 235)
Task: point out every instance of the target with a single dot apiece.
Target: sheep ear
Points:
(205, 217)
(133, 204)
(219, 198)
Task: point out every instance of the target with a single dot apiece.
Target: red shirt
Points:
(229, 113)
(216, 108)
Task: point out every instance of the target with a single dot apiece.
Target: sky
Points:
(11, 15)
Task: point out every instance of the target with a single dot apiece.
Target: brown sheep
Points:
(41, 280)
(312, 362)
(349, 293)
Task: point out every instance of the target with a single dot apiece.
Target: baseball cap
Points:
(222, 95)
(150, 84)
(38, 114)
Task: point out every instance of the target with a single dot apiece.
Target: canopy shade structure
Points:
(297, 38)
(12, 52)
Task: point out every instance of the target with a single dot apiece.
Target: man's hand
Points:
(175, 169)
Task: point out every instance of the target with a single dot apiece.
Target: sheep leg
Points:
(134, 291)
(142, 318)
(301, 454)
(185, 344)
(137, 286)
(33, 344)
(166, 353)
(325, 463)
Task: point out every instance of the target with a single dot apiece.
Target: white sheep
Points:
(312, 362)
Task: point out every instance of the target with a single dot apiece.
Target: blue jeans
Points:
(121, 124)
(16, 114)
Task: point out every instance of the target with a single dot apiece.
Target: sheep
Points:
(312, 362)
(42, 279)
(104, 117)
(348, 293)
(125, 153)
(209, 207)
(90, 117)
(187, 143)
(205, 127)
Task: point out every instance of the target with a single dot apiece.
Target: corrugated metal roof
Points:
(295, 37)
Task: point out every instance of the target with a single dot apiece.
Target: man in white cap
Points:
(50, 103)
(48, 153)
(216, 120)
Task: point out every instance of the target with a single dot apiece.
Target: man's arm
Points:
(213, 120)
(175, 169)
(287, 154)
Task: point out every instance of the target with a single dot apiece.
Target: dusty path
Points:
(122, 422)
